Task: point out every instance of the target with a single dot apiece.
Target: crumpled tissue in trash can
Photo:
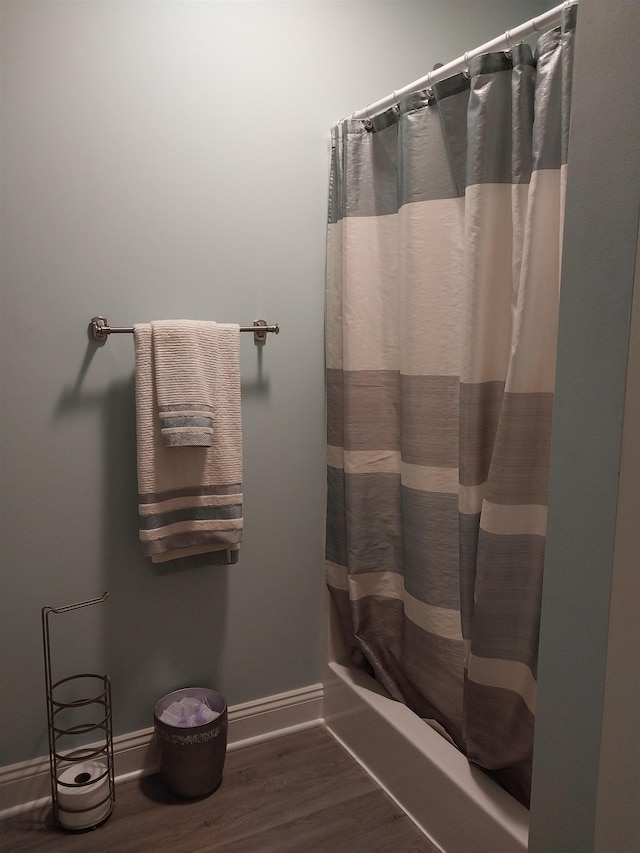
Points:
(188, 712)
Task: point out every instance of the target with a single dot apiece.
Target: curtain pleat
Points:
(443, 259)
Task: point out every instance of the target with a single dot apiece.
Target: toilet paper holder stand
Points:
(79, 710)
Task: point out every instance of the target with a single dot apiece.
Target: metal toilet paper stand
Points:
(79, 709)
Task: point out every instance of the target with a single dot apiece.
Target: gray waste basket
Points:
(192, 758)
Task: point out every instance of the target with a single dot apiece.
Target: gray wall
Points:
(169, 159)
(586, 774)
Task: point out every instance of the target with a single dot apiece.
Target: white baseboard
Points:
(27, 785)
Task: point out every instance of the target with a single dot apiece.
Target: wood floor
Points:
(298, 794)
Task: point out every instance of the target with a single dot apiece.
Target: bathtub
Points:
(455, 805)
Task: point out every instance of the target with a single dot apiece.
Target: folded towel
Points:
(189, 498)
(193, 367)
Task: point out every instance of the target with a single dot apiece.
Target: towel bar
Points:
(99, 330)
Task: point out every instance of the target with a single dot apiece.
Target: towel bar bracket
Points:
(260, 335)
(99, 330)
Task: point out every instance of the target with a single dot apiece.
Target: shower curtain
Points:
(443, 262)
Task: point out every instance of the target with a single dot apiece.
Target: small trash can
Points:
(192, 757)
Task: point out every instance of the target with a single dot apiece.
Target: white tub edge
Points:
(456, 805)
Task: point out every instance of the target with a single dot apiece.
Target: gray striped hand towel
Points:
(189, 497)
(191, 368)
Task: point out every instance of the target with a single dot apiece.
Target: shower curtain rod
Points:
(506, 41)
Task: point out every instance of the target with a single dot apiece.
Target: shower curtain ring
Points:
(507, 38)
(428, 89)
(367, 122)
(396, 106)
(466, 71)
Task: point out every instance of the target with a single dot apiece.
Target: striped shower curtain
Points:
(443, 261)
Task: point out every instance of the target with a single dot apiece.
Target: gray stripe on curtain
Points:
(434, 665)
(388, 527)
(422, 178)
(430, 528)
(362, 409)
(393, 152)
(468, 532)
(346, 612)
(505, 84)
(512, 432)
(452, 97)
(480, 405)
(507, 571)
(513, 769)
(358, 195)
(414, 665)
(550, 129)
(500, 150)
(365, 531)
(336, 522)
(370, 410)
(520, 467)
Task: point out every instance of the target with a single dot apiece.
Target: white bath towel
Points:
(194, 364)
(189, 497)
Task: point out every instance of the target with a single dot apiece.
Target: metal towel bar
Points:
(99, 330)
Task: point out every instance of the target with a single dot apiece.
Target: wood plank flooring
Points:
(301, 793)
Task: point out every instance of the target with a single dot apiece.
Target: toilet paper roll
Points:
(83, 786)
